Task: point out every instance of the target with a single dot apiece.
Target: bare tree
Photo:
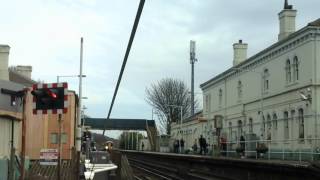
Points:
(166, 97)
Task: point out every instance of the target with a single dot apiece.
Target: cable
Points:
(133, 32)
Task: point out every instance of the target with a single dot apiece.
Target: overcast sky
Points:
(46, 35)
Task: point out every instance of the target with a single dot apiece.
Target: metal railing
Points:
(307, 149)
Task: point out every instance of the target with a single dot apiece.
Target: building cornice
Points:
(287, 44)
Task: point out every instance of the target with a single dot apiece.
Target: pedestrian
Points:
(203, 144)
(142, 146)
(223, 146)
(195, 146)
(182, 145)
(175, 146)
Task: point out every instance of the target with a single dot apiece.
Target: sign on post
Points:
(49, 157)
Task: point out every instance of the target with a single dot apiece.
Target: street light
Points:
(177, 106)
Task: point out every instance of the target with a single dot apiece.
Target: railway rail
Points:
(154, 166)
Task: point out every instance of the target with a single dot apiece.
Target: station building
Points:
(271, 98)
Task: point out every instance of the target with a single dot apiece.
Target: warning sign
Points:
(49, 157)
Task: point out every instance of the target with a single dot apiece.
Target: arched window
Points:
(220, 97)
(263, 127)
(268, 127)
(288, 71)
(239, 128)
(230, 130)
(301, 123)
(266, 79)
(239, 89)
(250, 125)
(275, 121)
(286, 124)
(296, 68)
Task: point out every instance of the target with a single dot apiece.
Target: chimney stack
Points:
(239, 52)
(23, 70)
(287, 21)
(4, 58)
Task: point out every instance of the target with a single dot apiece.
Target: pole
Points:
(180, 129)
(59, 146)
(12, 152)
(57, 79)
(78, 142)
(23, 146)
(192, 87)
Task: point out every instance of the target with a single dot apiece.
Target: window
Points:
(230, 130)
(275, 121)
(269, 127)
(266, 79)
(239, 89)
(208, 103)
(64, 138)
(301, 123)
(239, 128)
(220, 97)
(296, 68)
(288, 71)
(286, 124)
(250, 126)
(54, 138)
(263, 128)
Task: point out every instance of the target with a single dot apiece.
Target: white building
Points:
(272, 97)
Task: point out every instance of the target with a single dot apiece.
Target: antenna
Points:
(192, 61)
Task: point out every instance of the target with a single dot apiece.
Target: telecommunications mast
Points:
(192, 61)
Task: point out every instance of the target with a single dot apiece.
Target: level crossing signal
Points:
(50, 98)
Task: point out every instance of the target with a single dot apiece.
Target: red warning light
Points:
(52, 94)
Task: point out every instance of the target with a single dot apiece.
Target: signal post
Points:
(52, 98)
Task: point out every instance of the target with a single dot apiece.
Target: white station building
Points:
(272, 97)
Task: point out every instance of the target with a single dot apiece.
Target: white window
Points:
(239, 89)
(301, 124)
(295, 68)
(286, 124)
(54, 138)
(288, 71)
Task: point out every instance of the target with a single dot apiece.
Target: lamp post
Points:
(177, 106)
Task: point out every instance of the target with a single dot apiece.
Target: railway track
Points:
(151, 170)
(164, 166)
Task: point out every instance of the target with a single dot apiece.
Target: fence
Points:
(289, 149)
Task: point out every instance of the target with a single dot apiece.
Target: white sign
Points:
(49, 157)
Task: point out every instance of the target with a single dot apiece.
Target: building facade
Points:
(272, 97)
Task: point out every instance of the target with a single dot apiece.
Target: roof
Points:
(20, 79)
(315, 23)
(194, 117)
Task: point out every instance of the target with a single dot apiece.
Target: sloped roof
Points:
(315, 23)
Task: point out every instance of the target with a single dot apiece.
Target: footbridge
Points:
(126, 124)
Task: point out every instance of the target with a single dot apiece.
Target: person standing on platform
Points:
(182, 145)
(203, 144)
